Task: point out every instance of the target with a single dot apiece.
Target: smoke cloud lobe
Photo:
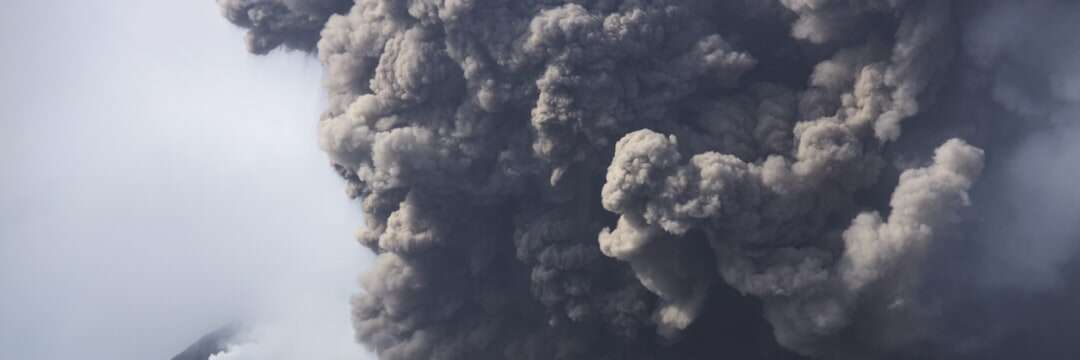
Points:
(684, 179)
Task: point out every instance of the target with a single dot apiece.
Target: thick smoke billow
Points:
(690, 179)
(294, 24)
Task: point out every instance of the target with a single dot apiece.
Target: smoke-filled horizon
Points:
(685, 179)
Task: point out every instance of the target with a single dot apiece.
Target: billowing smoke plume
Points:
(294, 24)
(690, 179)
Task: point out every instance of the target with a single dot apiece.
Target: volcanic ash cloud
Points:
(642, 179)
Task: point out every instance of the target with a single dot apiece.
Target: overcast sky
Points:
(159, 182)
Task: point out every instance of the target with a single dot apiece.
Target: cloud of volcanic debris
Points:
(621, 179)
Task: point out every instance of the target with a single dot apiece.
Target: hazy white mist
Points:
(157, 182)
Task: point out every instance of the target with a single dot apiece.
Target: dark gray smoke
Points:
(698, 179)
(293, 24)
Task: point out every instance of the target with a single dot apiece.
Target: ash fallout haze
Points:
(703, 179)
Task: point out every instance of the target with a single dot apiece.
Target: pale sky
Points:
(160, 182)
